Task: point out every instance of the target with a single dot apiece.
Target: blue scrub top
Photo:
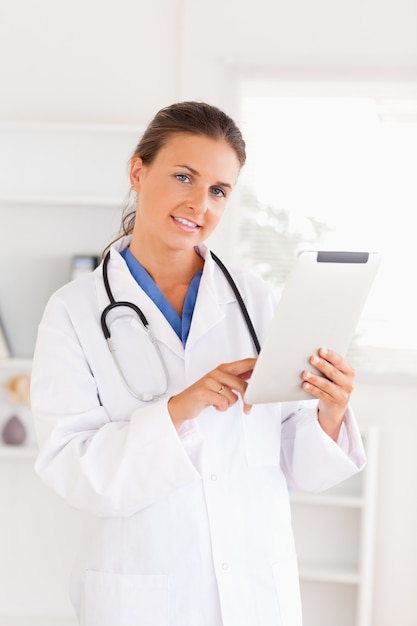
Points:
(181, 325)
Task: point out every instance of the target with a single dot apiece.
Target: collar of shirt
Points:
(181, 325)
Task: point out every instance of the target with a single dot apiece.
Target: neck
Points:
(168, 267)
(171, 270)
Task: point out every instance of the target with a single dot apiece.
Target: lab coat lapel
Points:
(214, 292)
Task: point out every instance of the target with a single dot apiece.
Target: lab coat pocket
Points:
(126, 599)
(288, 592)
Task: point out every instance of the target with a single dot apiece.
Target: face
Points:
(182, 194)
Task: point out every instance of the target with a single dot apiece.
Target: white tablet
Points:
(320, 307)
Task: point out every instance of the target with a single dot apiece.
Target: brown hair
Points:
(195, 118)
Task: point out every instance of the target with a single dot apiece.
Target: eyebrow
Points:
(193, 171)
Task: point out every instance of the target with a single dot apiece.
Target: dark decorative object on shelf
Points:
(14, 432)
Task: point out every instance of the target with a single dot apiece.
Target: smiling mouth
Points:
(186, 224)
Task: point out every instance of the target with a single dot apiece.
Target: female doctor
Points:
(139, 374)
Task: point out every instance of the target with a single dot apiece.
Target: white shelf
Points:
(12, 364)
(37, 620)
(326, 574)
(345, 501)
(61, 201)
(95, 156)
(17, 452)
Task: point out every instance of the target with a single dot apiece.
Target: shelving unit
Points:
(334, 535)
(39, 532)
(77, 184)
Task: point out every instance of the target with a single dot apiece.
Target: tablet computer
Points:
(320, 307)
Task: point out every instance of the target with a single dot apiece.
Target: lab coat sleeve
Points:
(313, 461)
(105, 466)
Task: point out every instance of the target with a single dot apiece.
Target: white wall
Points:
(87, 60)
(392, 405)
(108, 61)
(102, 61)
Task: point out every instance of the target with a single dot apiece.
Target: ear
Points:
(136, 168)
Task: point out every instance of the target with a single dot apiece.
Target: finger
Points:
(247, 408)
(242, 368)
(226, 372)
(229, 394)
(232, 376)
(246, 375)
(205, 392)
(327, 369)
(226, 395)
(313, 387)
(228, 399)
(343, 377)
(223, 398)
(325, 389)
(336, 360)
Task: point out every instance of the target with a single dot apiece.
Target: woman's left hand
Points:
(333, 390)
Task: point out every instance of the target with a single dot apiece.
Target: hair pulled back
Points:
(194, 118)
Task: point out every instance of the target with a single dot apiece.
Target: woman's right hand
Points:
(219, 388)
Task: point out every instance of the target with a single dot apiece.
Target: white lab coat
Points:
(188, 528)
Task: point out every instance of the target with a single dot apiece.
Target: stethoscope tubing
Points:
(113, 304)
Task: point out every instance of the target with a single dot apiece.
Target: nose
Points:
(198, 200)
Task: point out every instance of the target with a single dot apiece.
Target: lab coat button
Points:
(225, 566)
(213, 477)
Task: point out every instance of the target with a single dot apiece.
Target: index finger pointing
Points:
(242, 368)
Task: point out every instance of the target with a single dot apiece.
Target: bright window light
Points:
(336, 173)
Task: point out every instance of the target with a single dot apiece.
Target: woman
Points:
(184, 487)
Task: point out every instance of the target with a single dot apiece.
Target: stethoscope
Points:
(150, 396)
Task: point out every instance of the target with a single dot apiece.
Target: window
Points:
(330, 170)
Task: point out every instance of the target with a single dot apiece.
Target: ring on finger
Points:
(221, 389)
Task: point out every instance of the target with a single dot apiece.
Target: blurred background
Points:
(326, 95)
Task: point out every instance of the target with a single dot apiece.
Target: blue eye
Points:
(218, 192)
(183, 178)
